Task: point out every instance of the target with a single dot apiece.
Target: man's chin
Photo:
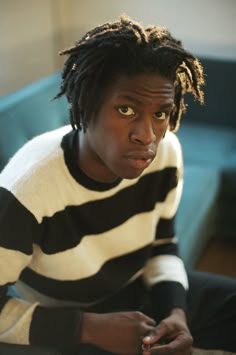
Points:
(132, 175)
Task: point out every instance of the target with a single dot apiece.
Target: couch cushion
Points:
(207, 144)
(212, 146)
(219, 91)
(29, 112)
(195, 217)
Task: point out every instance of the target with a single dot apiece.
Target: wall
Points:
(29, 42)
(32, 31)
(207, 27)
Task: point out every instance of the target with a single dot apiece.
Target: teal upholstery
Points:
(212, 146)
(208, 138)
(207, 207)
(197, 211)
(207, 135)
(29, 112)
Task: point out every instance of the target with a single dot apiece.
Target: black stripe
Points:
(165, 228)
(166, 296)
(69, 146)
(169, 248)
(107, 281)
(55, 327)
(17, 224)
(3, 296)
(65, 229)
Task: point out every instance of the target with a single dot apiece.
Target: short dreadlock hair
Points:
(125, 47)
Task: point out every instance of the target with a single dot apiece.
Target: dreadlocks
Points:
(125, 47)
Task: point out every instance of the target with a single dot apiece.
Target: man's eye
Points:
(126, 110)
(160, 115)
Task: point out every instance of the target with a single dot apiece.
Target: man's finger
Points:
(155, 335)
(180, 344)
(146, 349)
(149, 320)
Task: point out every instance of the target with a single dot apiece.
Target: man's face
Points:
(122, 140)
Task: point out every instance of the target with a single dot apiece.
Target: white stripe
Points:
(16, 317)
(95, 250)
(164, 241)
(12, 262)
(89, 256)
(171, 203)
(165, 268)
(92, 252)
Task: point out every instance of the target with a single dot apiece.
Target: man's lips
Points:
(141, 155)
(140, 159)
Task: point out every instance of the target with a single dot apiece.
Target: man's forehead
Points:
(142, 85)
(148, 81)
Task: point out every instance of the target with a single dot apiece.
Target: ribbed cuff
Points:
(166, 296)
(57, 327)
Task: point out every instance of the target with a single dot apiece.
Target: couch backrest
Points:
(219, 95)
(29, 112)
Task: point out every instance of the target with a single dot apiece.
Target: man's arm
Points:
(23, 322)
(165, 273)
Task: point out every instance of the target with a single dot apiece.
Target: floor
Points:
(219, 257)
(210, 352)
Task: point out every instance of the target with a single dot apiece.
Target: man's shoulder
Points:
(49, 138)
(36, 171)
(36, 155)
(39, 146)
(171, 140)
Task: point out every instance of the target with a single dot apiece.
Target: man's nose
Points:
(142, 132)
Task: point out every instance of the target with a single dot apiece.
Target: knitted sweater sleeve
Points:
(23, 322)
(165, 273)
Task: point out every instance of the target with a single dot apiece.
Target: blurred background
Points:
(33, 31)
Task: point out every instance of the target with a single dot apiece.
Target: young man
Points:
(87, 215)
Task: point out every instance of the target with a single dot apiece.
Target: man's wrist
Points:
(179, 312)
(84, 329)
(88, 329)
(78, 327)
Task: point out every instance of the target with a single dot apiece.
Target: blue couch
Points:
(207, 134)
(208, 137)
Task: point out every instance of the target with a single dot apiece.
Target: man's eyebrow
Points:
(167, 105)
(130, 98)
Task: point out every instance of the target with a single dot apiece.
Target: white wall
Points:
(30, 40)
(33, 31)
(206, 27)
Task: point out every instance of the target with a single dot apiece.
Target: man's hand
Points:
(118, 332)
(174, 331)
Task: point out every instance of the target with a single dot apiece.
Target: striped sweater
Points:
(69, 243)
